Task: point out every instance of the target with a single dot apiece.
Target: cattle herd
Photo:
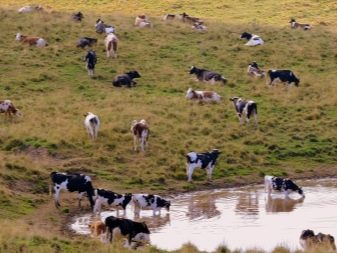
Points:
(137, 233)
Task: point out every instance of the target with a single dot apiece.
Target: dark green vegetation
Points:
(297, 126)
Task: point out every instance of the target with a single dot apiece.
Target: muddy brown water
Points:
(240, 218)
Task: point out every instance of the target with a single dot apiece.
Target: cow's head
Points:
(99, 21)
(18, 36)
(234, 99)
(308, 233)
(254, 65)
(297, 81)
(133, 74)
(193, 70)
(292, 20)
(190, 93)
(300, 191)
(245, 35)
(167, 205)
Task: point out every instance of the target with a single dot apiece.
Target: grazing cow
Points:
(141, 132)
(199, 26)
(137, 232)
(149, 201)
(111, 42)
(39, 42)
(286, 76)
(287, 186)
(101, 27)
(126, 79)
(78, 16)
(204, 75)
(97, 227)
(112, 199)
(169, 17)
(254, 70)
(187, 18)
(86, 41)
(73, 182)
(294, 25)
(309, 241)
(91, 60)
(7, 107)
(253, 40)
(205, 161)
(244, 109)
(92, 124)
(142, 21)
(30, 8)
(202, 96)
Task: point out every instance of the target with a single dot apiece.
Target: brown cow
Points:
(39, 42)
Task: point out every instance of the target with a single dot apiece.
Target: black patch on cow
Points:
(94, 121)
(112, 196)
(246, 35)
(286, 76)
(149, 199)
(281, 184)
(207, 158)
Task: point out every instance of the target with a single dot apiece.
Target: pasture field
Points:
(296, 136)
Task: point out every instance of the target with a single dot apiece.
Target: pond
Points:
(241, 218)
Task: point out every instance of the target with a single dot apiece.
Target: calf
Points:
(141, 132)
(73, 182)
(97, 227)
(207, 76)
(149, 201)
(294, 25)
(286, 76)
(254, 70)
(253, 40)
(287, 186)
(137, 232)
(126, 79)
(78, 16)
(86, 41)
(7, 107)
(39, 42)
(309, 241)
(92, 124)
(205, 161)
(244, 109)
(142, 21)
(187, 18)
(112, 199)
(202, 96)
(101, 27)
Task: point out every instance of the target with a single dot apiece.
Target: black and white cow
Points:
(149, 201)
(126, 79)
(204, 75)
(137, 232)
(294, 25)
(285, 76)
(205, 161)
(86, 41)
(310, 241)
(254, 70)
(252, 39)
(101, 27)
(244, 109)
(78, 16)
(284, 185)
(112, 199)
(72, 182)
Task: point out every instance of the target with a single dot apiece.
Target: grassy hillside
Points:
(296, 134)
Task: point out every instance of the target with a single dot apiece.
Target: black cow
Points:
(286, 76)
(244, 109)
(111, 198)
(309, 241)
(137, 232)
(154, 202)
(282, 185)
(205, 160)
(73, 183)
(77, 16)
(206, 76)
(86, 41)
(126, 79)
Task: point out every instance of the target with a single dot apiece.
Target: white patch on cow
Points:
(142, 237)
(255, 40)
(57, 189)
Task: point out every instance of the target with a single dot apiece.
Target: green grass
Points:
(296, 135)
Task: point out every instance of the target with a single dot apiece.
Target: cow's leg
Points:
(209, 172)
(80, 195)
(108, 232)
(255, 118)
(57, 190)
(97, 206)
(190, 169)
(135, 140)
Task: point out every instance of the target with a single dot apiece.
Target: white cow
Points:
(111, 42)
(92, 124)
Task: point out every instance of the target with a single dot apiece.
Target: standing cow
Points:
(285, 76)
(140, 131)
(111, 42)
(245, 109)
(284, 185)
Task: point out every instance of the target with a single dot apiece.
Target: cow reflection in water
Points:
(248, 203)
(202, 207)
(279, 204)
(155, 222)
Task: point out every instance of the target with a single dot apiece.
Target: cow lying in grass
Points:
(189, 19)
(86, 42)
(101, 27)
(310, 241)
(137, 232)
(254, 70)
(294, 25)
(78, 16)
(204, 75)
(142, 21)
(39, 42)
(126, 79)
(202, 96)
(252, 39)
(30, 8)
